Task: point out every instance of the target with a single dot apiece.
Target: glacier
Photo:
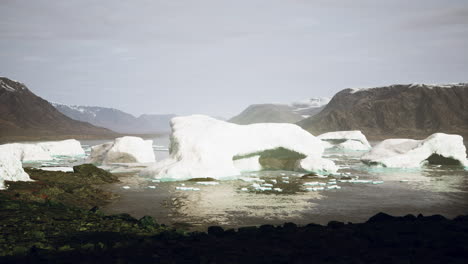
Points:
(438, 148)
(202, 146)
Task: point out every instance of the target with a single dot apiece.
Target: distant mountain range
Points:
(24, 115)
(412, 110)
(117, 120)
(280, 113)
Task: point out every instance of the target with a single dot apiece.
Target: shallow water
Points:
(431, 190)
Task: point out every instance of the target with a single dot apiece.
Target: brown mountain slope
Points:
(395, 111)
(23, 115)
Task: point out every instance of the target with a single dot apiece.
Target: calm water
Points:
(432, 190)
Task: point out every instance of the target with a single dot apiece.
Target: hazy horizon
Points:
(218, 57)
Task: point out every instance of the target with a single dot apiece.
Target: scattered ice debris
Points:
(267, 185)
(333, 187)
(314, 184)
(244, 189)
(126, 187)
(274, 181)
(254, 179)
(187, 188)
(258, 187)
(208, 183)
(315, 189)
(152, 187)
(277, 189)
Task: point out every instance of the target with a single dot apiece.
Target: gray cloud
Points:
(216, 57)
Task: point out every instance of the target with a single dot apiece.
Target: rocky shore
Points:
(56, 220)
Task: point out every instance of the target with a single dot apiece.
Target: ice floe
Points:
(409, 153)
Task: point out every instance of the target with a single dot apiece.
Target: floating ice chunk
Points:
(261, 188)
(282, 174)
(315, 188)
(277, 189)
(267, 185)
(69, 147)
(332, 187)
(377, 182)
(285, 178)
(251, 179)
(156, 180)
(123, 150)
(286, 181)
(360, 181)
(64, 169)
(202, 146)
(410, 153)
(187, 188)
(346, 140)
(314, 184)
(126, 187)
(208, 183)
(182, 184)
(244, 189)
(11, 169)
(152, 187)
(274, 181)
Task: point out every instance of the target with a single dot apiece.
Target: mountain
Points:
(280, 113)
(117, 120)
(24, 115)
(413, 110)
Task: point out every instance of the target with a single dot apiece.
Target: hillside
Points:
(414, 110)
(24, 115)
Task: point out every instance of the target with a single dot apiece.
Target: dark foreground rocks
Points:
(56, 220)
(382, 239)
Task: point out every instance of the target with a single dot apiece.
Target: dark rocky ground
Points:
(53, 220)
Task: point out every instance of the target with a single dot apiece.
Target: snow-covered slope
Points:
(11, 169)
(116, 120)
(205, 147)
(280, 113)
(438, 148)
(345, 140)
(123, 150)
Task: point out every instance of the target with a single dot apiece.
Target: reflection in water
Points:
(430, 190)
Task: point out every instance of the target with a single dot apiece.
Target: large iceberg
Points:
(11, 169)
(123, 150)
(202, 146)
(345, 140)
(438, 148)
(43, 150)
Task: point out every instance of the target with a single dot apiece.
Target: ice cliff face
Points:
(438, 148)
(205, 147)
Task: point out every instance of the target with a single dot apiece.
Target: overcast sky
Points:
(218, 56)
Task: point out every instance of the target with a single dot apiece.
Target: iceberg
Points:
(345, 140)
(123, 150)
(202, 146)
(438, 148)
(11, 169)
(27, 152)
(69, 147)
